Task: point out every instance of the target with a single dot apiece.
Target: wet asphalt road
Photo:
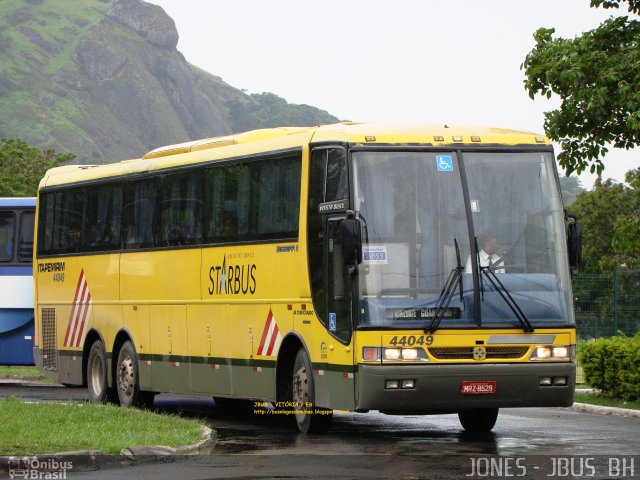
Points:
(532, 442)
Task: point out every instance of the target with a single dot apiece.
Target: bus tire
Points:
(127, 379)
(478, 420)
(96, 374)
(303, 398)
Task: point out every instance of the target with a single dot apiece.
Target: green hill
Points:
(103, 79)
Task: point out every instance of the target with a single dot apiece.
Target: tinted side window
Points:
(253, 200)
(140, 218)
(25, 237)
(61, 220)
(276, 198)
(7, 235)
(104, 207)
(337, 178)
(180, 210)
(227, 203)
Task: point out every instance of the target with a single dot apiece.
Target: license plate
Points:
(478, 388)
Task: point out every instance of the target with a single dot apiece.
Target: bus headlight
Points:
(411, 354)
(553, 352)
(394, 354)
(391, 354)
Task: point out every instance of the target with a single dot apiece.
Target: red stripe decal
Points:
(274, 337)
(83, 323)
(71, 315)
(77, 315)
(265, 331)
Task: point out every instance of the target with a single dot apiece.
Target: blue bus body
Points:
(16, 280)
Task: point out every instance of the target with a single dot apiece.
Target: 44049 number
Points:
(411, 340)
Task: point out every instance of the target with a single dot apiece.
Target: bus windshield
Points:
(419, 234)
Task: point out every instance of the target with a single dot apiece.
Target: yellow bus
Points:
(409, 269)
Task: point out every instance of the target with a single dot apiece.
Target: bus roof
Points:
(17, 201)
(273, 139)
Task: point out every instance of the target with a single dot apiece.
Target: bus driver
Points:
(488, 254)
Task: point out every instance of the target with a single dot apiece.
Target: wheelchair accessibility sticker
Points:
(444, 163)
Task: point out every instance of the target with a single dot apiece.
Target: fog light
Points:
(560, 381)
(391, 353)
(545, 381)
(392, 384)
(408, 383)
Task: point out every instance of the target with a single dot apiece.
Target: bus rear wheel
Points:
(127, 381)
(96, 374)
(478, 420)
(310, 419)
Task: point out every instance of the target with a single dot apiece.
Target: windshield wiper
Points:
(506, 296)
(448, 291)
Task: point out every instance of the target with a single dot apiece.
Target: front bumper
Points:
(438, 387)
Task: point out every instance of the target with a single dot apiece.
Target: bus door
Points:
(339, 278)
(340, 265)
(331, 278)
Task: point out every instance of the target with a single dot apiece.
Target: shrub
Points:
(612, 365)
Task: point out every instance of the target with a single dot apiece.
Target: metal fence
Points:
(606, 304)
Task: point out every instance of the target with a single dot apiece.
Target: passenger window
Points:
(25, 239)
(180, 218)
(104, 206)
(140, 214)
(7, 234)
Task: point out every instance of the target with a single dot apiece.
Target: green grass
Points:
(598, 399)
(44, 428)
(13, 372)
(25, 374)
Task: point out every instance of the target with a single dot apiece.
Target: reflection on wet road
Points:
(250, 444)
(518, 432)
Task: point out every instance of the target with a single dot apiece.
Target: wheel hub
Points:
(125, 376)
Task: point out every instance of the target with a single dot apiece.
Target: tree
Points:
(597, 77)
(609, 216)
(22, 166)
(571, 187)
(626, 239)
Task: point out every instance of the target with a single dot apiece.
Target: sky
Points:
(455, 62)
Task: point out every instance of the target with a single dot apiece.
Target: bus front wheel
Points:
(478, 420)
(127, 380)
(310, 419)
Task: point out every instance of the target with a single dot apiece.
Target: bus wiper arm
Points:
(448, 291)
(509, 300)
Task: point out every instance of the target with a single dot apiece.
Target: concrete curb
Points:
(620, 412)
(134, 453)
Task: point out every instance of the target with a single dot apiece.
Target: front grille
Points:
(466, 353)
(49, 350)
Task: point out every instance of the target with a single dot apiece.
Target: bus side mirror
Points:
(351, 241)
(574, 242)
